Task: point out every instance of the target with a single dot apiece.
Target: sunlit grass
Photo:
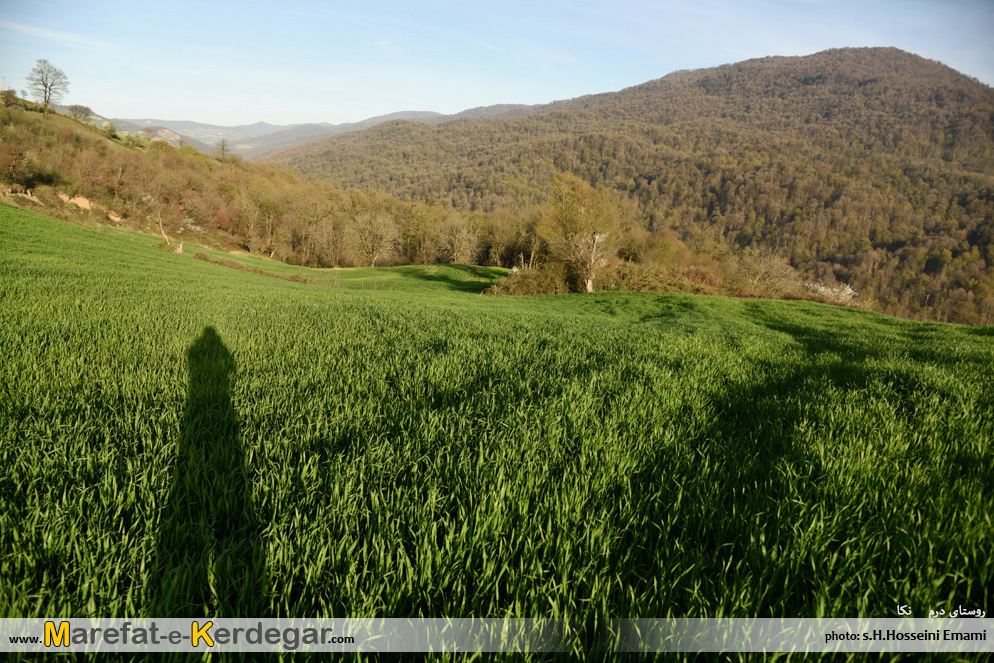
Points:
(425, 451)
(464, 278)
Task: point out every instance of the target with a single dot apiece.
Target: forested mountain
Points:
(260, 146)
(874, 167)
(69, 168)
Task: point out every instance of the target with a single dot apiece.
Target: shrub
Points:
(222, 220)
(547, 279)
(769, 272)
(638, 277)
(835, 294)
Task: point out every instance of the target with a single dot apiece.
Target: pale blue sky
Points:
(298, 61)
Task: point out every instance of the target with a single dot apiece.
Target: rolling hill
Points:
(303, 133)
(207, 133)
(140, 128)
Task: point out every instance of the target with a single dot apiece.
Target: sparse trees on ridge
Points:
(47, 83)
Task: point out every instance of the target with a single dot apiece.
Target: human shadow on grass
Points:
(209, 559)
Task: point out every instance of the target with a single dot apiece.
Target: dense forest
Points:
(869, 167)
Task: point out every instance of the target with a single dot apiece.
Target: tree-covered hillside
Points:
(872, 167)
(72, 170)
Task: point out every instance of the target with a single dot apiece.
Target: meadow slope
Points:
(178, 437)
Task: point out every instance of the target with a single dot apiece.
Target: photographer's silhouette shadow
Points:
(209, 559)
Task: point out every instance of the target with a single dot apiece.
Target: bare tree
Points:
(458, 242)
(769, 271)
(373, 235)
(80, 112)
(149, 132)
(222, 149)
(47, 83)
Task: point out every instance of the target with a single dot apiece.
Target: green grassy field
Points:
(463, 278)
(178, 437)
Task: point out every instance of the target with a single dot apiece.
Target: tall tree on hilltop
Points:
(47, 83)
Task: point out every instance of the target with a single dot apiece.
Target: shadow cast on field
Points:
(732, 495)
(745, 506)
(720, 494)
(716, 511)
(858, 341)
(458, 285)
(209, 559)
(680, 313)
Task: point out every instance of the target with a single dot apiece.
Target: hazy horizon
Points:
(237, 64)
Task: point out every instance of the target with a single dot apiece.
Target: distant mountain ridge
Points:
(260, 138)
(208, 133)
(140, 127)
(303, 133)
